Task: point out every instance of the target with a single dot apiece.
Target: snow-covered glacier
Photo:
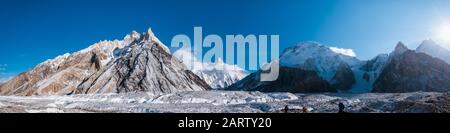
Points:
(229, 102)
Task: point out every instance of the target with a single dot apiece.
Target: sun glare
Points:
(443, 33)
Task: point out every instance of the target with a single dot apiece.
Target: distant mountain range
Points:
(409, 71)
(313, 67)
(139, 62)
(142, 63)
(432, 48)
(218, 75)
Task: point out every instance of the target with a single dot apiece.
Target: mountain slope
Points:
(409, 71)
(432, 48)
(336, 65)
(62, 74)
(308, 67)
(295, 80)
(369, 72)
(317, 57)
(136, 63)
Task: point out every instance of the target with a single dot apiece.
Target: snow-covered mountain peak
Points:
(319, 58)
(312, 45)
(299, 54)
(348, 52)
(131, 37)
(217, 75)
(309, 44)
(106, 46)
(103, 50)
(133, 34)
(149, 36)
(55, 61)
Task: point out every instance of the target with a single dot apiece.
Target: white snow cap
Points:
(315, 56)
(297, 55)
(188, 58)
(348, 52)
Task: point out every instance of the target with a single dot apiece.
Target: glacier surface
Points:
(228, 102)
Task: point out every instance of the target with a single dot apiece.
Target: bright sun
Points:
(443, 33)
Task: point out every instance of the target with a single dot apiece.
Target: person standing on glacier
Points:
(341, 108)
(286, 109)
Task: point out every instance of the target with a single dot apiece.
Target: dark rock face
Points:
(366, 77)
(400, 48)
(293, 80)
(411, 71)
(95, 61)
(375, 64)
(344, 78)
(145, 66)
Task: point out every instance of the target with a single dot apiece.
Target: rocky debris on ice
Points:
(230, 102)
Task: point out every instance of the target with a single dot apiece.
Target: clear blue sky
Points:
(35, 30)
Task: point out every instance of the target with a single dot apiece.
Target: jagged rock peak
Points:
(150, 34)
(140, 62)
(400, 48)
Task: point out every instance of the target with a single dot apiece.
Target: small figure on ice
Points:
(305, 110)
(286, 109)
(341, 108)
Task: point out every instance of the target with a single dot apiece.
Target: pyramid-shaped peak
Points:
(400, 48)
(400, 45)
(150, 32)
(428, 41)
(150, 36)
(428, 44)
